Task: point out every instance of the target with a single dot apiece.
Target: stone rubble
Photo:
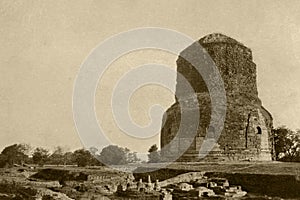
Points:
(181, 186)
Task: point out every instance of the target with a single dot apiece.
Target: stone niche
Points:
(247, 129)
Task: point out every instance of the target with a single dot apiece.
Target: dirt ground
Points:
(70, 182)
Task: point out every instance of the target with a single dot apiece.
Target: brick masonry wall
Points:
(247, 128)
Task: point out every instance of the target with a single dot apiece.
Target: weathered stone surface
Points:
(247, 128)
(205, 192)
(185, 186)
(186, 177)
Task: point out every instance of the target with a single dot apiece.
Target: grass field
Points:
(271, 168)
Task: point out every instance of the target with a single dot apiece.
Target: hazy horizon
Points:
(44, 44)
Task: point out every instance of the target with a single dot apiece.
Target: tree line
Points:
(286, 144)
(286, 149)
(20, 154)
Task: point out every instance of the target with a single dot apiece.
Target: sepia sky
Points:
(43, 44)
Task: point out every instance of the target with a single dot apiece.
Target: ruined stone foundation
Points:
(247, 129)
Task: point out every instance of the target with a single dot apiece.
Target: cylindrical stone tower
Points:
(247, 128)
